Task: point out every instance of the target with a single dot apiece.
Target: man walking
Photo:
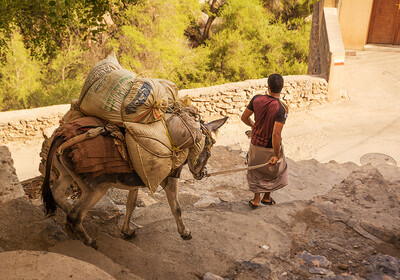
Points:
(269, 117)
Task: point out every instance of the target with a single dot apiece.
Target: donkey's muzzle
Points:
(202, 174)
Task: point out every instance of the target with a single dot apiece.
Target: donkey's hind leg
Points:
(59, 189)
(130, 206)
(90, 196)
(60, 186)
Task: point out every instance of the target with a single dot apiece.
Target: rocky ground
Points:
(346, 228)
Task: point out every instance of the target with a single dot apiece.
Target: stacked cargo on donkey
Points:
(160, 127)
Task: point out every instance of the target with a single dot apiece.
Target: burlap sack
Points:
(184, 129)
(73, 113)
(196, 149)
(102, 68)
(151, 154)
(171, 90)
(175, 98)
(146, 102)
(105, 97)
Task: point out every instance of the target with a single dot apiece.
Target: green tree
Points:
(291, 12)
(151, 40)
(19, 76)
(47, 47)
(63, 77)
(249, 43)
(44, 24)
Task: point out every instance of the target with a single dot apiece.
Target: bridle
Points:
(210, 141)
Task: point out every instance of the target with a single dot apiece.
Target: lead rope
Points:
(241, 169)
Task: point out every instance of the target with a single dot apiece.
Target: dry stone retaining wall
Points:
(300, 92)
(26, 125)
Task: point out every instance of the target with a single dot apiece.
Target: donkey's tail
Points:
(50, 205)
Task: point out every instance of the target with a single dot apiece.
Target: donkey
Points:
(94, 189)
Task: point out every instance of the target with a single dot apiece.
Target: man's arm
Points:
(246, 117)
(276, 142)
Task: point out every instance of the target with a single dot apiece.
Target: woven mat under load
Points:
(99, 155)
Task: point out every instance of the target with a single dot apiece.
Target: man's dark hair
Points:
(275, 82)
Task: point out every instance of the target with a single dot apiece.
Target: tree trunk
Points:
(215, 8)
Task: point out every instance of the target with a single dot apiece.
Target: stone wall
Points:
(300, 92)
(26, 125)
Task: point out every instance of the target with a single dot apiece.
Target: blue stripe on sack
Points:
(140, 98)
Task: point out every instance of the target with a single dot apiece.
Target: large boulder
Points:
(23, 264)
(10, 187)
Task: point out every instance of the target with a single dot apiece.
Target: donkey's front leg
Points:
(171, 189)
(130, 206)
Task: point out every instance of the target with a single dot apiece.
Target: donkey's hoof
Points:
(129, 235)
(70, 231)
(92, 243)
(186, 236)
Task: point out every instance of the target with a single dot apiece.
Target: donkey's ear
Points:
(214, 125)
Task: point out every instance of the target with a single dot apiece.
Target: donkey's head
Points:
(197, 166)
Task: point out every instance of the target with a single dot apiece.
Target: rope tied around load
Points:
(178, 111)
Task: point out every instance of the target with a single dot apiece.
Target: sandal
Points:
(252, 205)
(271, 202)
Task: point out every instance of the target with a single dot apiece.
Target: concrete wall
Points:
(314, 57)
(354, 17)
(327, 54)
(336, 55)
(300, 92)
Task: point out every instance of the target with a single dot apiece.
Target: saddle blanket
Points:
(99, 155)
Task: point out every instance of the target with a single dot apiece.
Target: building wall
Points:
(300, 92)
(327, 52)
(354, 16)
(314, 62)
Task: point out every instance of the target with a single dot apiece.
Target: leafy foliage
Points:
(47, 46)
(20, 77)
(45, 24)
(249, 43)
(26, 82)
(151, 39)
(292, 12)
